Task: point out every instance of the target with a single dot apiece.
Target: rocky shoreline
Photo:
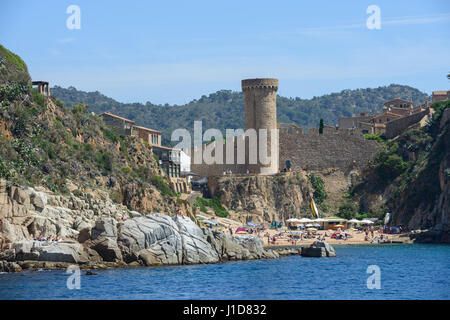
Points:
(151, 240)
(95, 233)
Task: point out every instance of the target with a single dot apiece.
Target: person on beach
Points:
(231, 231)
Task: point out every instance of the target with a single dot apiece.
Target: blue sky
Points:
(176, 51)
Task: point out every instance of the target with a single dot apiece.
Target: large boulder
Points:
(42, 226)
(38, 199)
(107, 248)
(104, 239)
(104, 227)
(195, 247)
(318, 249)
(71, 252)
(157, 233)
(241, 247)
(159, 239)
(25, 250)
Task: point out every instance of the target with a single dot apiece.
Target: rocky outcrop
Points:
(104, 240)
(318, 249)
(71, 252)
(97, 232)
(265, 198)
(238, 247)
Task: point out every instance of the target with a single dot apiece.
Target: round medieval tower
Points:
(260, 100)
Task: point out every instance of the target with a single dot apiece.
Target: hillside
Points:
(411, 180)
(224, 109)
(70, 150)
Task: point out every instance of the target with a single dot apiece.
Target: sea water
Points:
(405, 272)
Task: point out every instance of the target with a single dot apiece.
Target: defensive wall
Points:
(397, 126)
(343, 149)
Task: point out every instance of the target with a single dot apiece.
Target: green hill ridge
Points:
(225, 109)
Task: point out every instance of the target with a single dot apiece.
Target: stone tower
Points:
(260, 100)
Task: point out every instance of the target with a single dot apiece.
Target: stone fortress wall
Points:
(343, 149)
(397, 126)
(306, 149)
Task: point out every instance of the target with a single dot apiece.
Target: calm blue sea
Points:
(407, 272)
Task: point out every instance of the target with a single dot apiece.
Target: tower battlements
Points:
(260, 83)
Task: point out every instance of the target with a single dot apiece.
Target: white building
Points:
(185, 163)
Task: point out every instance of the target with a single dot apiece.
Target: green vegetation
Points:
(319, 188)
(348, 210)
(105, 161)
(80, 108)
(58, 102)
(224, 109)
(162, 186)
(377, 137)
(12, 69)
(12, 91)
(406, 173)
(13, 58)
(213, 203)
(38, 98)
(201, 203)
(389, 165)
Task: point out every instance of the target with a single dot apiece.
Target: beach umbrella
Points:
(309, 225)
(251, 224)
(319, 220)
(305, 220)
(354, 221)
(366, 221)
(316, 225)
(312, 229)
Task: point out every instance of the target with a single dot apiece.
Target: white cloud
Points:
(397, 21)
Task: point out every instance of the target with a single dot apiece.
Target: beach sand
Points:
(283, 235)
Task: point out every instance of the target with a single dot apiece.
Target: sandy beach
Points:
(283, 237)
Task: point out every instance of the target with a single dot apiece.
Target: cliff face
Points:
(98, 233)
(264, 198)
(412, 180)
(71, 151)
